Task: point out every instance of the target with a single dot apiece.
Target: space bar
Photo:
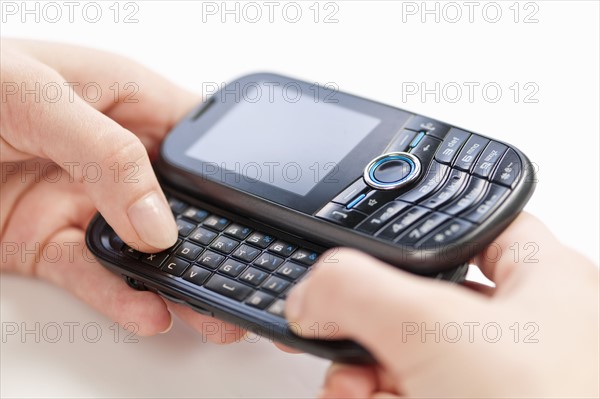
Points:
(227, 287)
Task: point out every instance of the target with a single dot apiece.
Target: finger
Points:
(480, 288)
(137, 98)
(376, 304)
(213, 330)
(384, 395)
(46, 239)
(142, 312)
(517, 251)
(110, 161)
(345, 381)
(286, 349)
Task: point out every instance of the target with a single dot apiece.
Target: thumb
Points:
(110, 161)
(378, 306)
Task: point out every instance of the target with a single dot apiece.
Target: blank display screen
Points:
(282, 137)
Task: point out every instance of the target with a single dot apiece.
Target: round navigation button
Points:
(392, 170)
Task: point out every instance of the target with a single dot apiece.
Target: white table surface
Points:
(370, 51)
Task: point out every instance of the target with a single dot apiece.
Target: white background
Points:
(371, 51)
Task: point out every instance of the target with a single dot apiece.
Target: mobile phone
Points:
(271, 171)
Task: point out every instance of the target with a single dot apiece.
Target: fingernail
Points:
(170, 324)
(294, 302)
(153, 221)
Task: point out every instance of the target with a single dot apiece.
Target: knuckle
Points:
(126, 150)
(24, 106)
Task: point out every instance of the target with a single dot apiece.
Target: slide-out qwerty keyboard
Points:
(247, 265)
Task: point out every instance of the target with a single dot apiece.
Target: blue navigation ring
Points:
(392, 170)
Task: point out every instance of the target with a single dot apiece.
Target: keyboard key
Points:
(395, 228)
(489, 158)
(131, 253)
(195, 214)
(474, 190)
(259, 300)
(155, 260)
(382, 217)
(351, 192)
(224, 244)
(282, 248)
(277, 308)
(210, 259)
(196, 275)
(420, 123)
(426, 149)
(232, 267)
(275, 284)
(451, 145)
(268, 261)
(468, 155)
(246, 253)
(436, 176)
(177, 206)
(305, 256)
(229, 288)
(175, 266)
(421, 229)
(339, 214)
(446, 234)
(188, 251)
(216, 222)
(492, 200)
(237, 231)
(184, 228)
(453, 185)
(202, 236)
(375, 200)
(261, 240)
(172, 248)
(508, 170)
(291, 270)
(253, 276)
(401, 141)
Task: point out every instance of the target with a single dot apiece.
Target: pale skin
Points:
(372, 304)
(556, 291)
(40, 212)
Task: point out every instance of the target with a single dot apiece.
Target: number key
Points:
(261, 240)
(237, 231)
(282, 248)
(305, 256)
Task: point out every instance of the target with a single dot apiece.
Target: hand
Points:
(76, 129)
(412, 324)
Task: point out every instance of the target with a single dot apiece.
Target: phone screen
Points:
(282, 137)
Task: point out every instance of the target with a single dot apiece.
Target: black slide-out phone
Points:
(270, 171)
